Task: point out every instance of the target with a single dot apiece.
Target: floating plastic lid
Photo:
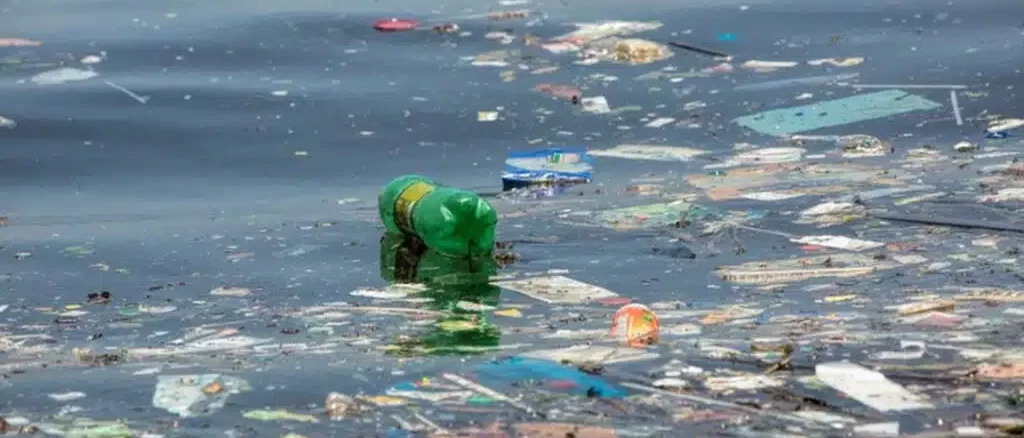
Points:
(395, 24)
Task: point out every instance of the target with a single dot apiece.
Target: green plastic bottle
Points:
(450, 221)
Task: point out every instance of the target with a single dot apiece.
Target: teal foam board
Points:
(837, 112)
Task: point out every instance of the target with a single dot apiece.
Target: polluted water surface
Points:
(512, 219)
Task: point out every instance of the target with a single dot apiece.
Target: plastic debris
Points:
(87, 428)
(767, 66)
(596, 105)
(679, 213)
(837, 62)
(868, 387)
(557, 289)
(650, 152)
(63, 75)
(1004, 125)
(761, 156)
(741, 383)
(697, 49)
(563, 429)
(231, 291)
(279, 415)
(546, 167)
(130, 93)
(839, 242)
(635, 325)
(184, 394)
(480, 389)
(955, 222)
(965, 146)
(68, 396)
(339, 405)
(784, 271)
(567, 92)
(859, 146)
(836, 112)
(601, 29)
(569, 379)
(395, 24)
(602, 354)
(627, 51)
(19, 42)
(91, 59)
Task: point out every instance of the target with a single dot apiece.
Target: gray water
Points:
(166, 190)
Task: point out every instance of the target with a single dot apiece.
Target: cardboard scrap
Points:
(557, 289)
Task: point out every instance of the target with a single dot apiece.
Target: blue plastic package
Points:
(546, 167)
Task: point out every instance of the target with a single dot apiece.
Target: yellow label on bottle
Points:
(406, 201)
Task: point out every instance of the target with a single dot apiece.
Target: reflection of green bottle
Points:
(449, 281)
(448, 220)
